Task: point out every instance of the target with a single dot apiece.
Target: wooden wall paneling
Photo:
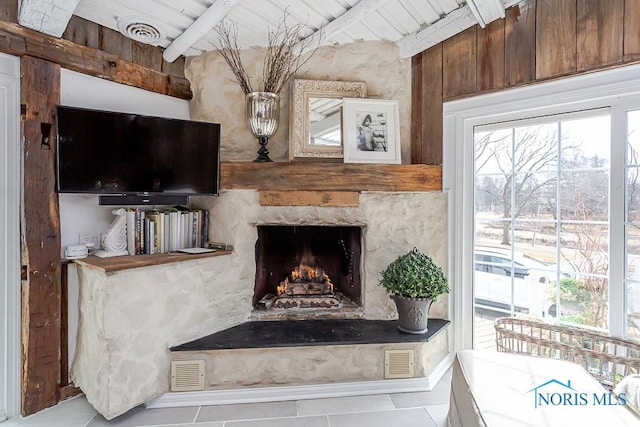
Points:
(426, 130)
(9, 10)
(113, 42)
(459, 64)
(175, 68)
(147, 56)
(82, 32)
(520, 43)
(432, 100)
(631, 30)
(416, 108)
(555, 38)
(491, 67)
(599, 28)
(41, 291)
(19, 41)
(310, 198)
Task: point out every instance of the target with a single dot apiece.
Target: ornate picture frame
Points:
(315, 106)
(371, 131)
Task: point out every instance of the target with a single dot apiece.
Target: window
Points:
(569, 216)
(542, 199)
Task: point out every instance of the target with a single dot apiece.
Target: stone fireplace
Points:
(307, 270)
(123, 357)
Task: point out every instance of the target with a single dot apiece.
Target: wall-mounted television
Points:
(111, 153)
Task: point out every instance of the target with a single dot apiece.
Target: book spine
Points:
(146, 241)
(131, 231)
(138, 231)
(195, 235)
(205, 229)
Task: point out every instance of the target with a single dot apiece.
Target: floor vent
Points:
(187, 375)
(398, 364)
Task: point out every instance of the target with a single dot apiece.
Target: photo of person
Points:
(371, 131)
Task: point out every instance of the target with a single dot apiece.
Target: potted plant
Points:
(414, 281)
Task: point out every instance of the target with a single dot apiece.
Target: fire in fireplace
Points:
(308, 268)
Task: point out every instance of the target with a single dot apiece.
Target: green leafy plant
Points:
(414, 275)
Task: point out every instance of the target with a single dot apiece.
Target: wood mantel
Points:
(296, 176)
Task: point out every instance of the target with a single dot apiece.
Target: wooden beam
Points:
(47, 16)
(20, 41)
(452, 24)
(41, 293)
(201, 26)
(358, 12)
(309, 198)
(296, 176)
(486, 11)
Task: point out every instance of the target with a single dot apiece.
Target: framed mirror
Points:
(315, 131)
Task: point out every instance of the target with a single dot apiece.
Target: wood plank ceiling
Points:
(185, 27)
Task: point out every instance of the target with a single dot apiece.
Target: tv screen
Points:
(102, 152)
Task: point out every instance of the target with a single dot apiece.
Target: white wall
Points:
(10, 151)
(81, 213)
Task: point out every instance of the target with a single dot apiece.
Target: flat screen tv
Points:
(104, 152)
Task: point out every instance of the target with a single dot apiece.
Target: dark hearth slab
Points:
(298, 333)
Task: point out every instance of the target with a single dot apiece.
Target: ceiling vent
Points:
(141, 29)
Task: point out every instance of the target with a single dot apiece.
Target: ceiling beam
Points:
(453, 23)
(486, 11)
(17, 40)
(47, 16)
(358, 12)
(201, 26)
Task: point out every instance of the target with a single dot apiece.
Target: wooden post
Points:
(40, 92)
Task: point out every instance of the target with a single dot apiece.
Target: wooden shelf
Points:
(119, 263)
(314, 176)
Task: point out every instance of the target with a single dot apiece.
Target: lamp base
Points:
(263, 153)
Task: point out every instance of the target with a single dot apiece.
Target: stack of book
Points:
(155, 232)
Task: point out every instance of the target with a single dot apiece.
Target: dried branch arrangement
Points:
(282, 58)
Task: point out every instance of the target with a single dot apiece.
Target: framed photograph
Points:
(371, 131)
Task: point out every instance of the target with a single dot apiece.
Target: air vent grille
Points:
(398, 364)
(187, 375)
(140, 29)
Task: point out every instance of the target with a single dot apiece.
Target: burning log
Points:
(306, 280)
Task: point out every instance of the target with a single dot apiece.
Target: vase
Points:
(413, 314)
(262, 113)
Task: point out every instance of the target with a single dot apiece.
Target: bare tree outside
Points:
(542, 191)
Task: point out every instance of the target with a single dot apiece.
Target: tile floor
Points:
(420, 409)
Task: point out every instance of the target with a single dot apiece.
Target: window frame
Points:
(617, 89)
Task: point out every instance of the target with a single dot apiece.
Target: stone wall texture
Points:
(217, 98)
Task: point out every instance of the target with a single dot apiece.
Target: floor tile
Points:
(438, 414)
(319, 421)
(140, 416)
(73, 412)
(415, 417)
(344, 405)
(438, 396)
(213, 424)
(419, 399)
(247, 411)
